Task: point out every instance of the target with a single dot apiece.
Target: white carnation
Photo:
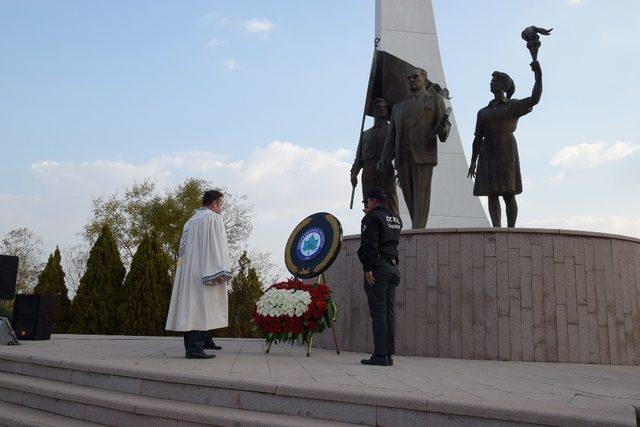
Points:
(283, 302)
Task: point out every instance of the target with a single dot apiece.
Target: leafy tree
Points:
(125, 214)
(51, 282)
(246, 289)
(27, 246)
(141, 211)
(95, 307)
(146, 291)
(169, 214)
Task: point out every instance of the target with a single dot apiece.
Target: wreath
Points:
(294, 312)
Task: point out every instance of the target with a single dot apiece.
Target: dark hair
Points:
(211, 196)
(377, 193)
(507, 82)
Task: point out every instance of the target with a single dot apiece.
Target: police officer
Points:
(378, 254)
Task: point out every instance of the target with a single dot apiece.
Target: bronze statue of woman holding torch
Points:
(495, 163)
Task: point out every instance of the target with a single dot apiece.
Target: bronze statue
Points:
(412, 143)
(494, 147)
(368, 154)
(530, 35)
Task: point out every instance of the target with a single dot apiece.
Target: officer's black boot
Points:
(389, 360)
(375, 359)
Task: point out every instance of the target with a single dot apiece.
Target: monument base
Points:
(502, 294)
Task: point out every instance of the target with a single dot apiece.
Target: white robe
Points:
(199, 299)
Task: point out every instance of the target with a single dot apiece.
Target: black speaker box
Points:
(33, 316)
(8, 276)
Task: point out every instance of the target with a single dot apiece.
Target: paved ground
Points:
(595, 387)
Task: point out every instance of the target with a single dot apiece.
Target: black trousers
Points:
(382, 306)
(194, 341)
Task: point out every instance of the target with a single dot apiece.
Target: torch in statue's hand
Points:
(530, 35)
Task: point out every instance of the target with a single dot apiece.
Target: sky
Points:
(265, 99)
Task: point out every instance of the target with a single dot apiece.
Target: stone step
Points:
(326, 402)
(15, 415)
(323, 402)
(109, 407)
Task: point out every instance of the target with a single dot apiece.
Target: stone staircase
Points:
(43, 390)
(34, 393)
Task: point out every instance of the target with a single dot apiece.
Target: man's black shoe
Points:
(389, 360)
(375, 360)
(212, 346)
(200, 355)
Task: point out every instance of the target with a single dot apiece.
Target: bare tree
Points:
(27, 246)
(74, 264)
(268, 272)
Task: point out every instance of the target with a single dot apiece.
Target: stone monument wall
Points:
(500, 294)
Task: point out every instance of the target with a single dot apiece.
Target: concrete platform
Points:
(145, 380)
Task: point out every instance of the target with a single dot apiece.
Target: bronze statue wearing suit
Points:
(411, 142)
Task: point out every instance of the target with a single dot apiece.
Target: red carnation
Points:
(312, 326)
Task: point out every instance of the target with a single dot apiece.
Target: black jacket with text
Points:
(379, 235)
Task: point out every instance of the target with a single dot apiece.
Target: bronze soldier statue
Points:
(411, 142)
(368, 154)
(494, 147)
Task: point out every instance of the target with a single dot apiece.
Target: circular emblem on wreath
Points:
(313, 245)
(310, 244)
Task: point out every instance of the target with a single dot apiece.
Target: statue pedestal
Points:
(501, 294)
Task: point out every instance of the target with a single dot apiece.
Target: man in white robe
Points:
(199, 300)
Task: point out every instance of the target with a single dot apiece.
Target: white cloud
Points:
(17, 211)
(285, 182)
(586, 155)
(280, 159)
(574, 2)
(606, 224)
(230, 64)
(258, 26)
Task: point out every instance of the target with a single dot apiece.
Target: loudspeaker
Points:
(33, 316)
(8, 276)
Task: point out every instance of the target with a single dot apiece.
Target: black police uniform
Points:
(378, 253)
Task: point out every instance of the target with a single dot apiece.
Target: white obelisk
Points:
(407, 29)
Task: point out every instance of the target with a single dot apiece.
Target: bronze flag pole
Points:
(364, 112)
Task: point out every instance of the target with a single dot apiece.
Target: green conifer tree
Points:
(246, 289)
(146, 291)
(51, 282)
(95, 307)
